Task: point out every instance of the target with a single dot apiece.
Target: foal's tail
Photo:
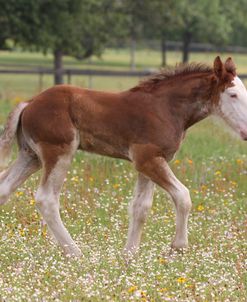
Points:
(9, 133)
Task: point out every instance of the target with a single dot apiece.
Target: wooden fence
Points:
(78, 72)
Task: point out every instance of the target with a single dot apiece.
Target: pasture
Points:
(211, 163)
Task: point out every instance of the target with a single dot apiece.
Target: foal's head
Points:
(232, 102)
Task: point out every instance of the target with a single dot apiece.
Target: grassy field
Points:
(211, 163)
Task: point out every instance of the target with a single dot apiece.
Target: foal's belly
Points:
(103, 146)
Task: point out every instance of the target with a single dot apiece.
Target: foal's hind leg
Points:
(25, 165)
(47, 197)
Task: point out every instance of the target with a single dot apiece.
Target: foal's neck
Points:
(190, 99)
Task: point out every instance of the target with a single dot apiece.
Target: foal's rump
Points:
(45, 120)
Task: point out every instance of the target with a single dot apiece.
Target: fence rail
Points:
(87, 72)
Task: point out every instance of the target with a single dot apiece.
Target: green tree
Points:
(162, 23)
(135, 14)
(66, 27)
(169, 22)
(236, 12)
(202, 21)
(4, 31)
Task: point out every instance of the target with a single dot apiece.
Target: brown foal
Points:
(144, 125)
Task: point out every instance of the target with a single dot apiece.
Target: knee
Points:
(182, 199)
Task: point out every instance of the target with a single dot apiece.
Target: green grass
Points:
(211, 163)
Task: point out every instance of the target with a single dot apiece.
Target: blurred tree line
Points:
(82, 28)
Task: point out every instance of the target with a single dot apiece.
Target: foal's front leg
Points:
(138, 211)
(159, 171)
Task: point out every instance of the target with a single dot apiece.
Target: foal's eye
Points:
(233, 95)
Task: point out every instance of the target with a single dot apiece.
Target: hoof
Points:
(129, 254)
(72, 252)
(179, 245)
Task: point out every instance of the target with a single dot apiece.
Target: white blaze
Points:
(233, 107)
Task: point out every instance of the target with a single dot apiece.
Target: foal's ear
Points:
(230, 66)
(218, 67)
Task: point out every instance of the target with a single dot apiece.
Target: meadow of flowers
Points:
(94, 208)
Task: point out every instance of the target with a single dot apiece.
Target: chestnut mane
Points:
(172, 72)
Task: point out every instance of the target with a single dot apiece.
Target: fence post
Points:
(68, 76)
(41, 80)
